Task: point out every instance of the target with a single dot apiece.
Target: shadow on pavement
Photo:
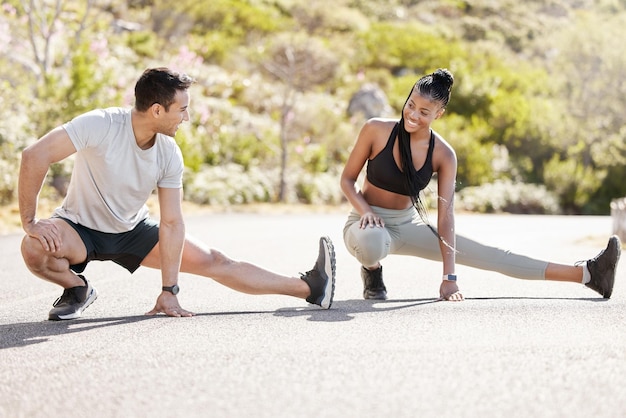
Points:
(598, 299)
(344, 310)
(27, 333)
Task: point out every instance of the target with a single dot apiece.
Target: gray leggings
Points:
(405, 234)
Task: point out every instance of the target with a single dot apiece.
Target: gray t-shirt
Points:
(112, 177)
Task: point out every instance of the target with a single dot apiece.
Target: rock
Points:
(369, 101)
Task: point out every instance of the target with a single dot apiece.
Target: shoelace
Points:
(308, 273)
(591, 260)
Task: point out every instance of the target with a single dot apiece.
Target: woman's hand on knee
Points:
(371, 219)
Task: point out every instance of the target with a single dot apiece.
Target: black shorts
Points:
(128, 249)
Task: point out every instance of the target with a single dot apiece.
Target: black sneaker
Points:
(73, 302)
(373, 285)
(602, 268)
(321, 279)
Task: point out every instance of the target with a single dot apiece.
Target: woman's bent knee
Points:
(368, 245)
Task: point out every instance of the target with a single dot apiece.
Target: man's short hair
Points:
(159, 85)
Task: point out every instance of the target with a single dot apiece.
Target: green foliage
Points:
(613, 185)
(318, 189)
(610, 154)
(234, 18)
(213, 46)
(144, 43)
(216, 31)
(538, 96)
(506, 196)
(192, 154)
(398, 46)
(321, 136)
(572, 181)
(316, 18)
(314, 158)
(8, 168)
(475, 159)
(229, 184)
(513, 124)
(87, 82)
(80, 91)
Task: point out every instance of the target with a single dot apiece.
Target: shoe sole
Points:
(92, 297)
(329, 267)
(374, 297)
(618, 252)
(615, 246)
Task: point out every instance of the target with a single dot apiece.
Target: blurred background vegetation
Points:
(536, 116)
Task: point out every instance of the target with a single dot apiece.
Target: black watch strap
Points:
(172, 289)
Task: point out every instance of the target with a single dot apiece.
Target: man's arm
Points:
(36, 160)
(171, 241)
(171, 234)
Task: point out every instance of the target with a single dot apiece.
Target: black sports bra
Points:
(383, 172)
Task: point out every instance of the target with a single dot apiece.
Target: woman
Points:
(389, 218)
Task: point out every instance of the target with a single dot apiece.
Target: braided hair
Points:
(435, 87)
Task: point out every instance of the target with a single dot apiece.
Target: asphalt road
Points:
(514, 348)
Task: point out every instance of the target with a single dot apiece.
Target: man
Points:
(122, 156)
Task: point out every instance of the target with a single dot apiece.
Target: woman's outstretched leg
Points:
(597, 273)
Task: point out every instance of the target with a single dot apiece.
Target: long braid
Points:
(408, 169)
(436, 87)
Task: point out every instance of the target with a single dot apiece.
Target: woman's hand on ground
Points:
(450, 291)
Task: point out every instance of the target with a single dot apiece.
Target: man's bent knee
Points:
(39, 261)
(32, 251)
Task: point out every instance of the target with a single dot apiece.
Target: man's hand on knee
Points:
(47, 233)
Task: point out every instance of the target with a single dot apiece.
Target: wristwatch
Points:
(449, 277)
(172, 289)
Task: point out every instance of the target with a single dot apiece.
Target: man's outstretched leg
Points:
(316, 286)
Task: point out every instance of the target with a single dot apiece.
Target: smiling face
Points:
(419, 112)
(178, 112)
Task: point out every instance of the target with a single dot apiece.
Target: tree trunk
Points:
(618, 213)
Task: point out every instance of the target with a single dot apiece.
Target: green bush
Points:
(573, 182)
(393, 45)
(233, 184)
(230, 184)
(475, 159)
(319, 188)
(143, 43)
(506, 196)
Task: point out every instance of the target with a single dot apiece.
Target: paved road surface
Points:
(514, 348)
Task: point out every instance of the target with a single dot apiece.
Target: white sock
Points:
(586, 274)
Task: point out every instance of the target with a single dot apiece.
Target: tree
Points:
(592, 86)
(61, 72)
(300, 63)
